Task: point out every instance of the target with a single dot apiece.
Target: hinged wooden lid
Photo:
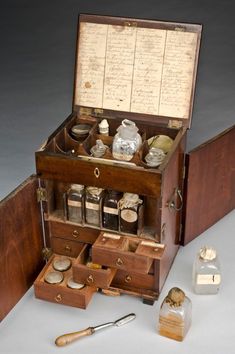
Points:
(144, 67)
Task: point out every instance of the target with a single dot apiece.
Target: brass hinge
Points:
(85, 111)
(183, 173)
(180, 29)
(46, 253)
(130, 24)
(41, 194)
(98, 111)
(180, 232)
(176, 124)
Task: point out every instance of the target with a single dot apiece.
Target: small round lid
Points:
(62, 264)
(163, 142)
(175, 297)
(73, 285)
(94, 190)
(80, 129)
(207, 253)
(54, 277)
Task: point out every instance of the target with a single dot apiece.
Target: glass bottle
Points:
(154, 157)
(104, 127)
(93, 201)
(128, 206)
(206, 272)
(98, 150)
(175, 315)
(110, 210)
(75, 203)
(127, 141)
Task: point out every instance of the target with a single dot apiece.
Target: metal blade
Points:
(125, 319)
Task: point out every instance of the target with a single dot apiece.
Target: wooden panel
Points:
(66, 247)
(133, 280)
(73, 232)
(20, 244)
(71, 169)
(210, 184)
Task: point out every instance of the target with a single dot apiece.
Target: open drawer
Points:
(61, 292)
(126, 252)
(83, 271)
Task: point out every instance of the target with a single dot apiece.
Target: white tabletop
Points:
(32, 326)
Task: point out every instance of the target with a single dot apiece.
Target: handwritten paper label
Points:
(133, 69)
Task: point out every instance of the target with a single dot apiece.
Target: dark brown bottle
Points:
(110, 210)
(129, 207)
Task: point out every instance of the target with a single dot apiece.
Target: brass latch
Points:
(41, 194)
(175, 124)
(98, 111)
(46, 253)
(85, 111)
(172, 204)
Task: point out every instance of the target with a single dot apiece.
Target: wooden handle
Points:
(71, 337)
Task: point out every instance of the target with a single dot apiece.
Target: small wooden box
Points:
(144, 71)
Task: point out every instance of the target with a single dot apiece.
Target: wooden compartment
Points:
(82, 273)
(61, 293)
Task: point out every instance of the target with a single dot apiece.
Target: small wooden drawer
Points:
(73, 232)
(126, 252)
(61, 293)
(97, 277)
(132, 280)
(66, 247)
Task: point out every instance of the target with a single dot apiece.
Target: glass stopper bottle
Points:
(128, 206)
(75, 203)
(175, 315)
(110, 210)
(93, 202)
(206, 271)
(127, 141)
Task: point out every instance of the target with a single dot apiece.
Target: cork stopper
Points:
(207, 253)
(94, 190)
(78, 187)
(175, 297)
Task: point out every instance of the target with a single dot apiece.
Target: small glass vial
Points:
(129, 206)
(104, 127)
(206, 272)
(110, 210)
(93, 202)
(175, 315)
(75, 203)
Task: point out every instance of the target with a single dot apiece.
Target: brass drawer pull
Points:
(58, 298)
(119, 262)
(97, 172)
(68, 248)
(128, 278)
(90, 279)
(75, 233)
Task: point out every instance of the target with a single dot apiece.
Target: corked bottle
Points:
(175, 315)
(110, 210)
(206, 272)
(75, 203)
(93, 202)
(129, 207)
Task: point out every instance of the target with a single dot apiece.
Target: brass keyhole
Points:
(75, 233)
(58, 298)
(119, 262)
(90, 279)
(97, 172)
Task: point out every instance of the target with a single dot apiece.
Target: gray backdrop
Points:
(37, 55)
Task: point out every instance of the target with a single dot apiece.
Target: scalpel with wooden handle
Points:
(71, 337)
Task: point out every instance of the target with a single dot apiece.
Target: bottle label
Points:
(129, 215)
(92, 206)
(208, 279)
(74, 203)
(110, 210)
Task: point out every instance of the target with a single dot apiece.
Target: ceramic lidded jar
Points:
(206, 271)
(175, 315)
(127, 141)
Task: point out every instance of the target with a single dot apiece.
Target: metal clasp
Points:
(172, 203)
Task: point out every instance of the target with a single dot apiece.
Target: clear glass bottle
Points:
(110, 210)
(127, 141)
(175, 315)
(93, 202)
(154, 157)
(75, 203)
(206, 272)
(128, 206)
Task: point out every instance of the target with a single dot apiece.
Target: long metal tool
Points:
(71, 337)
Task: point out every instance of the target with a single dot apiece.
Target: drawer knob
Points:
(75, 233)
(58, 298)
(119, 262)
(90, 279)
(128, 278)
(97, 172)
(68, 248)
